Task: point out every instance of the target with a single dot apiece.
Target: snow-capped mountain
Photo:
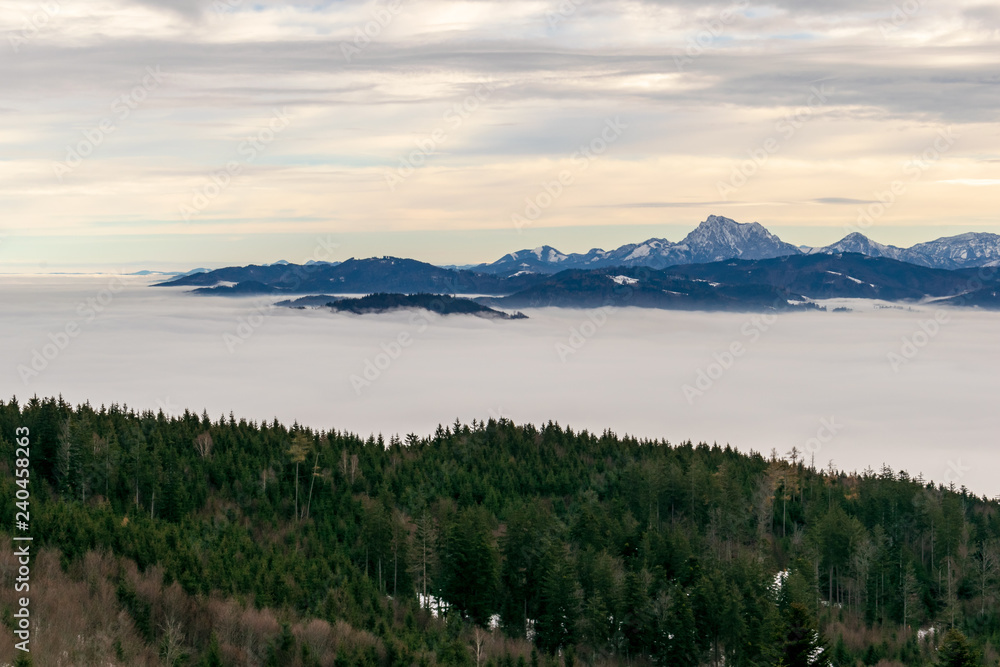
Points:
(963, 251)
(861, 244)
(719, 238)
(715, 239)
(956, 252)
(543, 259)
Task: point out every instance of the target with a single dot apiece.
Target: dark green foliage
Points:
(213, 656)
(615, 549)
(470, 564)
(282, 650)
(559, 603)
(955, 651)
(443, 304)
(803, 646)
(675, 640)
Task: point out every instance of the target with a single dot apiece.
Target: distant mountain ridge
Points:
(719, 238)
(776, 283)
(353, 276)
(715, 239)
(720, 265)
(969, 250)
(788, 281)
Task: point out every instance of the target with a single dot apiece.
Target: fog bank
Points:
(911, 388)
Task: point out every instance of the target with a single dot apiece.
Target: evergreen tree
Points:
(955, 651)
(213, 656)
(803, 646)
(523, 551)
(470, 565)
(559, 608)
(675, 636)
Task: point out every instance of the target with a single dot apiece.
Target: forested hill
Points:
(185, 541)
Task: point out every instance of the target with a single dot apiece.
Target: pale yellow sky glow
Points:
(127, 122)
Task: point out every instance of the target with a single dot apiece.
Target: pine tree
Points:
(523, 549)
(675, 636)
(424, 556)
(955, 651)
(803, 646)
(213, 656)
(470, 565)
(559, 608)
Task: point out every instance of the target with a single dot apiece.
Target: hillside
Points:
(646, 288)
(183, 540)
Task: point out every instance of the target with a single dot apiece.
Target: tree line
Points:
(588, 548)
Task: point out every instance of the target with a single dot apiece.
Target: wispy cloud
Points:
(228, 63)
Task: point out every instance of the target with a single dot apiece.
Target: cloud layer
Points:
(801, 110)
(912, 388)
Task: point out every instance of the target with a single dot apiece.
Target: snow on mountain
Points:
(715, 239)
(972, 249)
(719, 238)
(859, 243)
(538, 260)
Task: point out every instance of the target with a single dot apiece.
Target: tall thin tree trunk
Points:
(311, 483)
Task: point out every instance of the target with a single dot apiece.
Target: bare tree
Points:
(172, 645)
(349, 466)
(987, 559)
(298, 451)
(315, 473)
(203, 444)
(478, 644)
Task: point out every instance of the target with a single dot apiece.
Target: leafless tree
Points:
(478, 643)
(203, 444)
(172, 647)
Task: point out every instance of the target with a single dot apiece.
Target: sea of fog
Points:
(912, 388)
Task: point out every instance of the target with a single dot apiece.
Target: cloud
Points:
(842, 200)
(666, 204)
(976, 182)
(702, 87)
(627, 374)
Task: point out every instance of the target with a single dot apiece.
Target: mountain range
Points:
(719, 238)
(722, 264)
(353, 276)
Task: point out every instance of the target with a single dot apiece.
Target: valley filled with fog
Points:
(911, 387)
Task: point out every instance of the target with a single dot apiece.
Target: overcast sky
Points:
(185, 133)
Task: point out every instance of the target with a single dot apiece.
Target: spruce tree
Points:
(955, 651)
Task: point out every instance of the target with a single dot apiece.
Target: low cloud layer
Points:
(912, 388)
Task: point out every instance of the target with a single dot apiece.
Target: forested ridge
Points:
(189, 541)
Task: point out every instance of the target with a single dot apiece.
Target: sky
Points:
(913, 388)
(175, 134)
